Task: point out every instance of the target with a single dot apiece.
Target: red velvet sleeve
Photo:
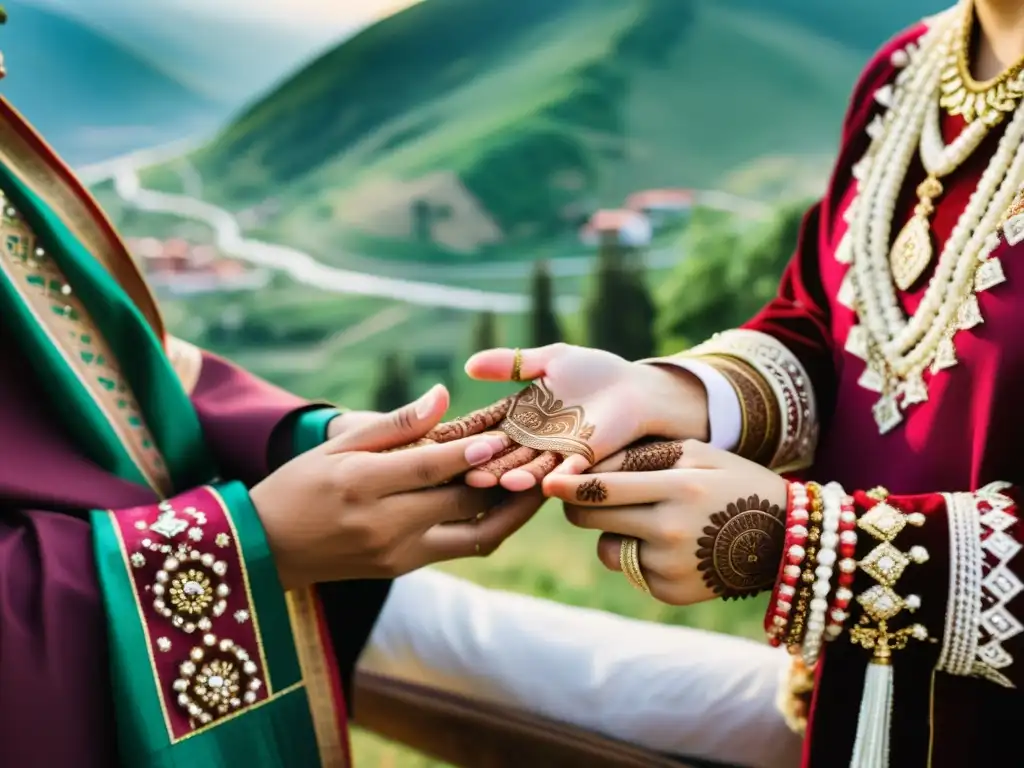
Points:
(244, 419)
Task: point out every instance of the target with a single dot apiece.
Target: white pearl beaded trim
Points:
(978, 621)
(832, 496)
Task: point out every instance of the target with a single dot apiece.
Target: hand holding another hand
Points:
(343, 511)
(709, 523)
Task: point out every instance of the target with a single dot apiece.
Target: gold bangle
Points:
(629, 562)
(760, 412)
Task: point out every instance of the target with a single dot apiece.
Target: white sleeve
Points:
(725, 418)
(670, 689)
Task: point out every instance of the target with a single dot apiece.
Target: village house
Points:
(662, 206)
(620, 226)
(176, 267)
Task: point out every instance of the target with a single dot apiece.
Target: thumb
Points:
(398, 428)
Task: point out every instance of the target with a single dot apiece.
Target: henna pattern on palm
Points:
(592, 492)
(652, 457)
(740, 552)
(538, 420)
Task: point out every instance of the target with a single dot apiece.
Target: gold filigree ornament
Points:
(218, 678)
(189, 591)
(962, 95)
(885, 564)
(539, 420)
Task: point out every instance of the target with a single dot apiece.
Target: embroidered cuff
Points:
(212, 624)
(981, 584)
(791, 394)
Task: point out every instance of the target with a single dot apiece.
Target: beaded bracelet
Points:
(847, 568)
(795, 633)
(793, 553)
(824, 566)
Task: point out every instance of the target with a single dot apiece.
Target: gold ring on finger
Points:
(629, 562)
(517, 365)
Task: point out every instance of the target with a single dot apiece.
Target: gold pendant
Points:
(912, 252)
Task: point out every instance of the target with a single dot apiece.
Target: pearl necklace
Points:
(899, 349)
(912, 251)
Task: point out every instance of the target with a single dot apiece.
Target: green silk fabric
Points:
(311, 429)
(277, 734)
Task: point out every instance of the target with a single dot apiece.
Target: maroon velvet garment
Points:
(55, 706)
(964, 437)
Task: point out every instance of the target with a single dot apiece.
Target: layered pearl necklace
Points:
(898, 350)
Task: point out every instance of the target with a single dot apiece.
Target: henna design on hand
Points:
(592, 492)
(542, 466)
(471, 424)
(652, 457)
(537, 419)
(740, 552)
(509, 459)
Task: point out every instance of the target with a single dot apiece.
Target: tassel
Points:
(871, 749)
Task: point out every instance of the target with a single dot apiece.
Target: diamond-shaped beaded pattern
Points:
(883, 522)
(885, 564)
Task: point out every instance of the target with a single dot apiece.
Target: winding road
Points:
(371, 278)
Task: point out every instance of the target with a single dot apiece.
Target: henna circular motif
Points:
(740, 552)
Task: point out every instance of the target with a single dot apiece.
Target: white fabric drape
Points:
(672, 689)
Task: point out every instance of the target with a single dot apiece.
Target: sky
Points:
(229, 49)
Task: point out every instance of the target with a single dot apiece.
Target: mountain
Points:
(89, 95)
(541, 109)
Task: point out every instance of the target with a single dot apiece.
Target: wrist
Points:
(676, 402)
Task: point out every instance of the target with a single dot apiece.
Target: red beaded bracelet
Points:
(847, 569)
(793, 555)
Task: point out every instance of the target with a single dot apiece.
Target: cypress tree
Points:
(620, 316)
(544, 326)
(485, 331)
(394, 387)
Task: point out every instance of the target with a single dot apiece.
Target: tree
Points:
(728, 274)
(621, 313)
(545, 328)
(485, 331)
(394, 388)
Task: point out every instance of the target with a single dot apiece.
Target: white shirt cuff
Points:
(725, 418)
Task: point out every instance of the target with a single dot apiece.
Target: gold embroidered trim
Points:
(186, 360)
(55, 184)
(46, 293)
(317, 676)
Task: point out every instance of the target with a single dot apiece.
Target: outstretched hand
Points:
(583, 405)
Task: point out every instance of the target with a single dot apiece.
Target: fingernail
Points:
(426, 403)
(479, 452)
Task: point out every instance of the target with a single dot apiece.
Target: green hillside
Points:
(90, 96)
(543, 110)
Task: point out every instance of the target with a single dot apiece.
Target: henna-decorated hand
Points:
(713, 524)
(585, 404)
